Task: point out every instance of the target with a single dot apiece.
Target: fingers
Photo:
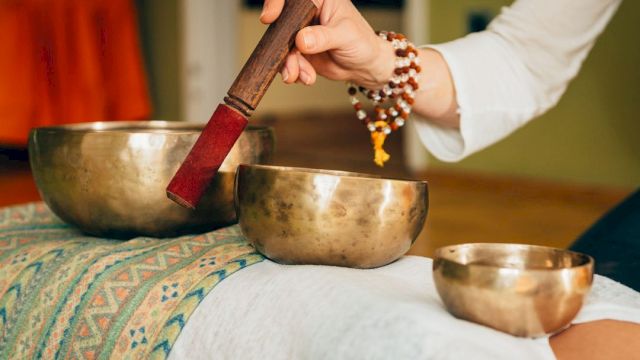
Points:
(271, 10)
(298, 69)
(291, 69)
(324, 65)
(321, 38)
(307, 72)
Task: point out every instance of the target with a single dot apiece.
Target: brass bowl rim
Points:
(136, 126)
(335, 173)
(585, 261)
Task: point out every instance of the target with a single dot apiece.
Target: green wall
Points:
(159, 31)
(593, 135)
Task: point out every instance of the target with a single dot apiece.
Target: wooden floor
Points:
(464, 207)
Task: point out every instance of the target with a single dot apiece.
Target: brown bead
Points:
(394, 126)
(352, 90)
(418, 68)
(391, 35)
(400, 36)
(392, 84)
(398, 71)
(382, 94)
(404, 115)
(398, 107)
(366, 120)
(357, 106)
(405, 70)
(410, 101)
(377, 109)
(401, 85)
(393, 96)
(401, 53)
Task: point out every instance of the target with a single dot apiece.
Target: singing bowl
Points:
(523, 290)
(109, 178)
(310, 216)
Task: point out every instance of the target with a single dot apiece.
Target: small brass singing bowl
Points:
(324, 217)
(523, 290)
(109, 178)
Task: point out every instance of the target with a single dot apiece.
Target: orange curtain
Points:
(67, 61)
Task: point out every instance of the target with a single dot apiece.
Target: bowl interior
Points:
(335, 173)
(153, 126)
(513, 256)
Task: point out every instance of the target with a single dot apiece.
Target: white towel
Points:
(271, 311)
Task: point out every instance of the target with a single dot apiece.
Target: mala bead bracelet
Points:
(399, 91)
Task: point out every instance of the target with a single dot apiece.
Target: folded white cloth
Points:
(271, 311)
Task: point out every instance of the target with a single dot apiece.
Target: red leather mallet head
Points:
(229, 120)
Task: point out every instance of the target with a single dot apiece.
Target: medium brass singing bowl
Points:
(109, 178)
(309, 216)
(523, 290)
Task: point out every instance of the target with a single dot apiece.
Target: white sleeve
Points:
(515, 70)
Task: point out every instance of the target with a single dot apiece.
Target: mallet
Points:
(229, 120)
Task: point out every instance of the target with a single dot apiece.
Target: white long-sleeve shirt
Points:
(515, 70)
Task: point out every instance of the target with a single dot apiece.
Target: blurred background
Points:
(74, 61)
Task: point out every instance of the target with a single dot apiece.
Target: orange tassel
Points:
(377, 139)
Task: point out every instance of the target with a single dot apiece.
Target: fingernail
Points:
(309, 40)
(285, 75)
(305, 77)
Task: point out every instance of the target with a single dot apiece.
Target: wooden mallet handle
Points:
(228, 121)
(269, 56)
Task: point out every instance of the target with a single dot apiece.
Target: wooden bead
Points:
(394, 126)
(401, 53)
(357, 106)
(392, 84)
(352, 91)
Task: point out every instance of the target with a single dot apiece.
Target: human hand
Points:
(342, 47)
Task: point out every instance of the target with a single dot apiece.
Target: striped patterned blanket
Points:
(67, 295)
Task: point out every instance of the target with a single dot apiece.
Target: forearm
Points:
(436, 99)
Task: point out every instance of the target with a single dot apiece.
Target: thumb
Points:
(319, 38)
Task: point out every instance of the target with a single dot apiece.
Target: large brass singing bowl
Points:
(109, 178)
(524, 290)
(308, 216)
